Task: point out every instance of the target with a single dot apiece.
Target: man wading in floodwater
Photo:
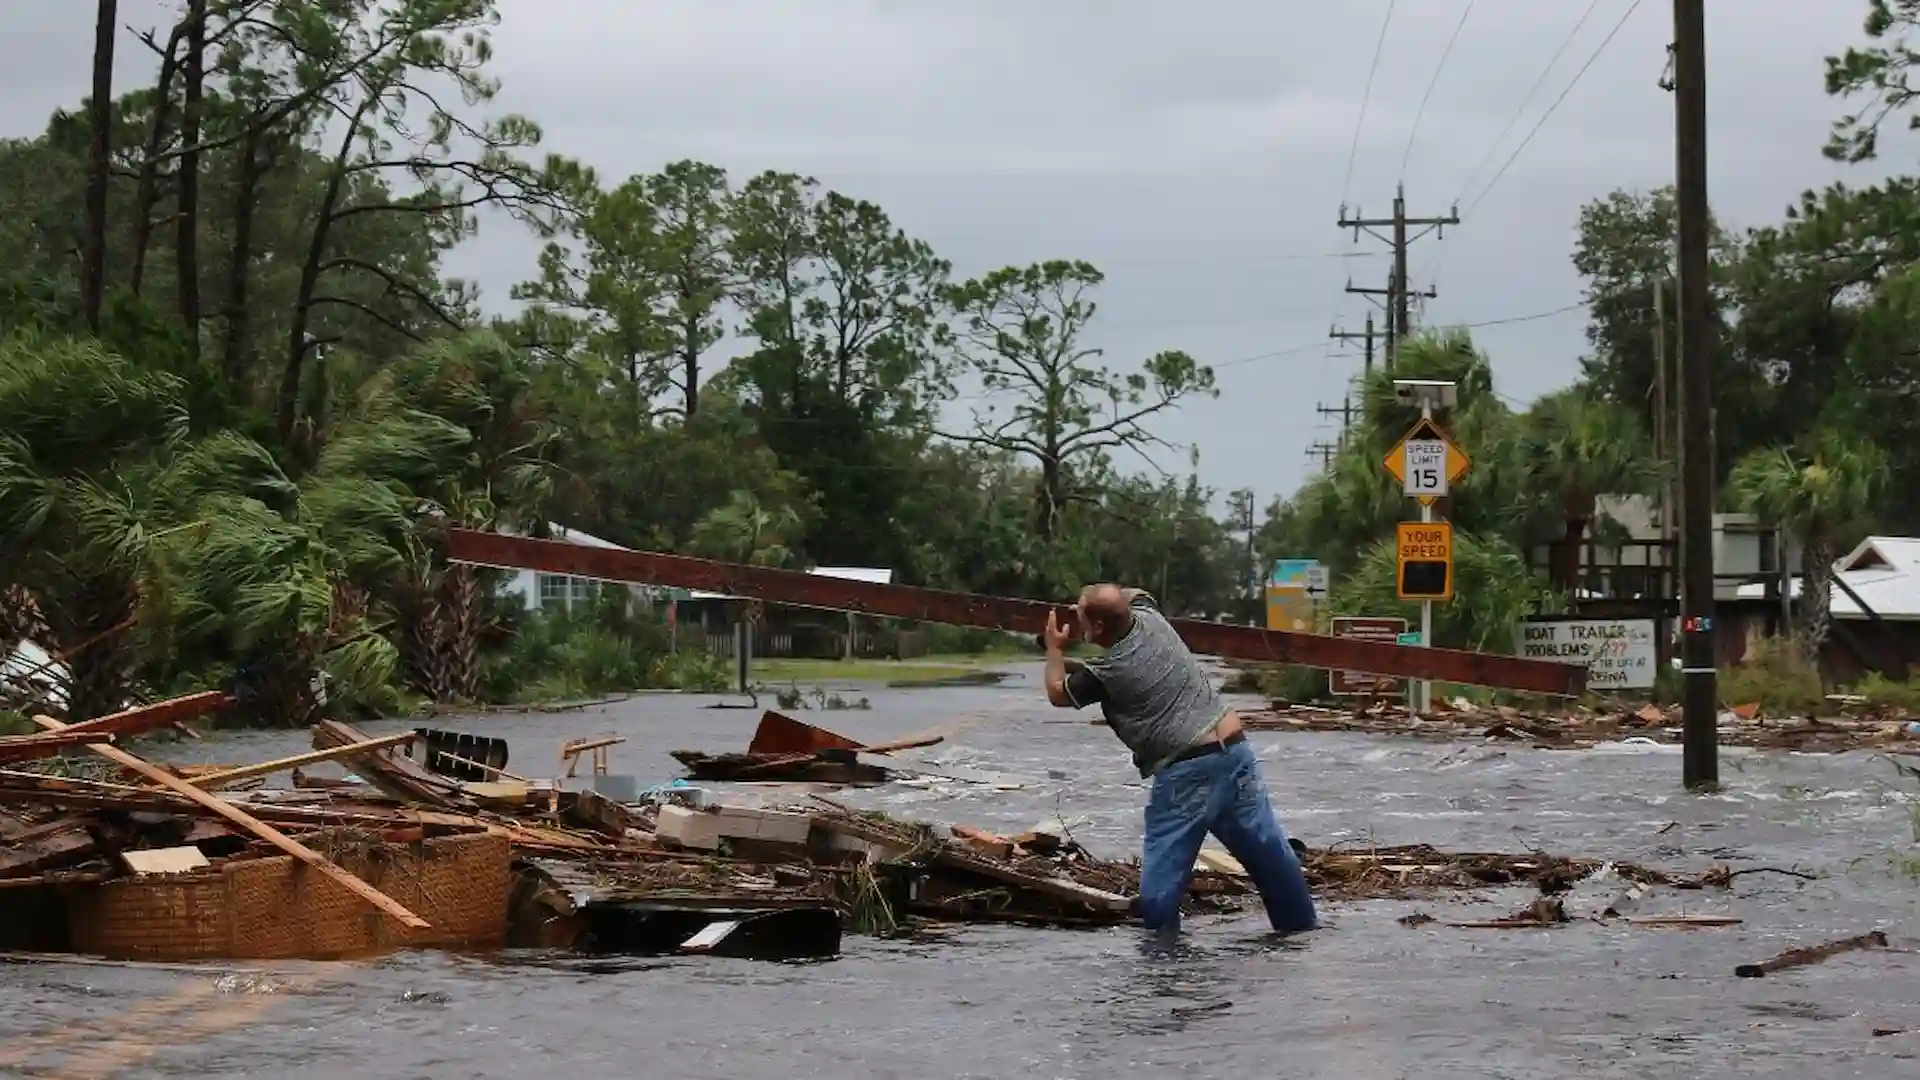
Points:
(1205, 777)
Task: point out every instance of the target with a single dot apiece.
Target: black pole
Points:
(1700, 766)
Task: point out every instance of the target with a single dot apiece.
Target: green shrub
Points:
(609, 647)
(1882, 691)
(1777, 676)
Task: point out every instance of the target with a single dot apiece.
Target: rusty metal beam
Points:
(997, 613)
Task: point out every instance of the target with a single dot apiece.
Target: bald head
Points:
(1105, 616)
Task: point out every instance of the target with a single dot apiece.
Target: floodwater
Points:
(1362, 998)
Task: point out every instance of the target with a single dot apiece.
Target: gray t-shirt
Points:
(1157, 698)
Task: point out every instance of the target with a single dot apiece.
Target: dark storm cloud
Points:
(1197, 152)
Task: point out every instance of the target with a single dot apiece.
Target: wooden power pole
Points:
(1364, 336)
(1399, 293)
(1700, 767)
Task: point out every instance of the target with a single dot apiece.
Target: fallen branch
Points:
(1811, 954)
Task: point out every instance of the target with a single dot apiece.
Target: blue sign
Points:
(1292, 572)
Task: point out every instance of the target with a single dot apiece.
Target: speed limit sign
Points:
(1424, 470)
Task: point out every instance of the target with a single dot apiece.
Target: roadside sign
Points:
(1423, 557)
(1412, 637)
(1317, 582)
(1360, 683)
(1618, 654)
(1424, 467)
(1427, 432)
(1292, 572)
(1290, 609)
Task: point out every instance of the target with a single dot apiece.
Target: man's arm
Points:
(1056, 679)
(1077, 687)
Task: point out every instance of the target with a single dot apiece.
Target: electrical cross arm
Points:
(999, 613)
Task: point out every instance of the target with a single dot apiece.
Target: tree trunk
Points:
(1816, 597)
(93, 265)
(297, 343)
(187, 240)
(101, 673)
(240, 266)
(690, 366)
(1049, 497)
(149, 190)
(461, 634)
(422, 649)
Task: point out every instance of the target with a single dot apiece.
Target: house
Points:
(1883, 573)
(540, 591)
(789, 631)
(1627, 566)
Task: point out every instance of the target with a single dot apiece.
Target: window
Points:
(553, 590)
(565, 592)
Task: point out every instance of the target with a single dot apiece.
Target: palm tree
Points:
(504, 476)
(282, 576)
(745, 530)
(84, 434)
(1823, 492)
(1569, 449)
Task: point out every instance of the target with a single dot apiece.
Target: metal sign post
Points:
(1426, 462)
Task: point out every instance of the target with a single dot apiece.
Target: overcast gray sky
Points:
(1197, 152)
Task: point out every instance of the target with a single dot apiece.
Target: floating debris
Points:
(1583, 729)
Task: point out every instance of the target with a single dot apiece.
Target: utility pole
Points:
(1663, 452)
(1345, 412)
(1386, 305)
(1326, 450)
(1399, 292)
(1364, 336)
(1700, 766)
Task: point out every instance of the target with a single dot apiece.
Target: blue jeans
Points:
(1219, 793)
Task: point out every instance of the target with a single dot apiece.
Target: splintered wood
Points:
(1812, 954)
(253, 825)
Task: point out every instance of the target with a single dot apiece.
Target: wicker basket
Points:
(279, 908)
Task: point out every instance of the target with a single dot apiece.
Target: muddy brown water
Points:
(1363, 998)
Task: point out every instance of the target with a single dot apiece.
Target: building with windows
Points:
(540, 591)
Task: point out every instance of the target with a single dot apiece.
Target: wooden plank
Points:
(47, 744)
(401, 777)
(211, 781)
(255, 826)
(55, 844)
(144, 718)
(1059, 888)
(990, 612)
(172, 860)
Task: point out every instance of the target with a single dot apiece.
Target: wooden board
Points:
(172, 860)
(1002, 613)
(211, 781)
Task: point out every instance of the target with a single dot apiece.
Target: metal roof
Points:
(1884, 570)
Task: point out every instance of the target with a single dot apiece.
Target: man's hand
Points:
(1056, 635)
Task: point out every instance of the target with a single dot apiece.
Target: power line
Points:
(1298, 349)
(1379, 45)
(1420, 113)
(1432, 271)
(1579, 305)
(1527, 100)
(1608, 40)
